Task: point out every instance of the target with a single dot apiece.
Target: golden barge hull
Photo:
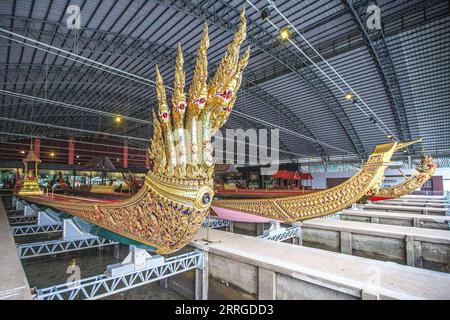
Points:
(365, 183)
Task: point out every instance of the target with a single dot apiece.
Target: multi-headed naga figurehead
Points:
(181, 143)
(181, 149)
(427, 163)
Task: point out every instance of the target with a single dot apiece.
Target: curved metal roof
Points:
(407, 85)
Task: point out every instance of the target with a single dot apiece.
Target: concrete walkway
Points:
(409, 209)
(413, 203)
(422, 234)
(13, 281)
(422, 198)
(401, 219)
(344, 274)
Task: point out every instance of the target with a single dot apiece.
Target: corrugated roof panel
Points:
(420, 55)
(422, 61)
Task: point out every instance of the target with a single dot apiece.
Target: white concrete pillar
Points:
(202, 280)
(267, 286)
(418, 254)
(346, 242)
(259, 229)
(117, 251)
(368, 295)
(413, 252)
(230, 227)
(410, 251)
(298, 240)
(164, 283)
(19, 205)
(30, 211)
(100, 251)
(374, 219)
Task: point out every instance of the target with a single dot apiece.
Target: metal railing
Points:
(38, 249)
(36, 229)
(104, 285)
(215, 223)
(15, 220)
(282, 234)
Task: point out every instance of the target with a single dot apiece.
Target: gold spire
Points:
(220, 116)
(162, 98)
(242, 31)
(197, 90)
(157, 152)
(178, 96)
(164, 115)
(228, 64)
(244, 60)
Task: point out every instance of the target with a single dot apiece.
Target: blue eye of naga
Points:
(206, 198)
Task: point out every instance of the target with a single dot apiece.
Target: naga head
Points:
(180, 182)
(427, 163)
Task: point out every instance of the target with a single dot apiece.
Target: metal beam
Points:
(412, 16)
(15, 220)
(49, 125)
(97, 43)
(287, 114)
(45, 248)
(281, 234)
(70, 106)
(250, 123)
(45, 77)
(14, 212)
(377, 47)
(215, 223)
(36, 229)
(226, 16)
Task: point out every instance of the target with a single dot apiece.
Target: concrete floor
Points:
(13, 282)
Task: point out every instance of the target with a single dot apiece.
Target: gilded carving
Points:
(289, 209)
(176, 196)
(417, 179)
